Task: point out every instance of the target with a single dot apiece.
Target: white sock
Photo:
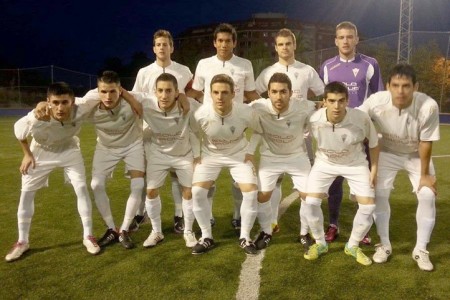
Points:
(265, 216)
(425, 217)
(25, 213)
(382, 214)
(275, 199)
(141, 208)
(210, 196)
(237, 197)
(177, 199)
(153, 207)
(304, 228)
(249, 211)
(102, 200)
(361, 223)
(133, 202)
(202, 210)
(84, 206)
(314, 217)
(188, 213)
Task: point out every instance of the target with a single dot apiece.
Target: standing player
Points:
(241, 71)
(224, 144)
(145, 82)
(409, 123)
(283, 123)
(361, 74)
(170, 149)
(119, 137)
(305, 84)
(340, 133)
(54, 145)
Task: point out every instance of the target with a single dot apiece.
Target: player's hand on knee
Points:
(197, 161)
(249, 158)
(27, 161)
(428, 181)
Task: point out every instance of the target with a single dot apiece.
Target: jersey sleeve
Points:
(255, 140)
(376, 82)
(371, 133)
(429, 119)
(316, 84)
(260, 84)
(249, 78)
(138, 84)
(22, 128)
(199, 80)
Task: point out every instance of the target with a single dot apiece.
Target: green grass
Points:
(57, 265)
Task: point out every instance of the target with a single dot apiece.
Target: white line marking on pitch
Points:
(249, 279)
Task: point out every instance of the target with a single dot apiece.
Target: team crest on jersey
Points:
(355, 71)
(296, 75)
(343, 137)
(232, 129)
(288, 123)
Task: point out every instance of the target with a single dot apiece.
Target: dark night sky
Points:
(80, 34)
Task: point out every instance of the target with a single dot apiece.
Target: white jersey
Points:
(342, 143)
(171, 131)
(118, 127)
(53, 136)
(238, 68)
(146, 77)
(225, 135)
(402, 130)
(283, 134)
(302, 76)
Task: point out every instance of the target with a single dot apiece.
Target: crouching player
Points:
(169, 150)
(340, 133)
(119, 137)
(54, 144)
(283, 123)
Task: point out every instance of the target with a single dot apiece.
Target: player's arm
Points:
(136, 106)
(374, 154)
(42, 111)
(28, 157)
(425, 149)
(193, 93)
(250, 96)
(22, 130)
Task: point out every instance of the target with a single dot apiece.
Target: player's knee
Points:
(97, 184)
(137, 184)
(152, 193)
(425, 194)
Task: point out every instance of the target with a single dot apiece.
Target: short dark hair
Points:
(280, 78)
(222, 78)
(59, 88)
(109, 77)
(335, 87)
(403, 69)
(163, 33)
(347, 25)
(226, 28)
(167, 77)
(284, 32)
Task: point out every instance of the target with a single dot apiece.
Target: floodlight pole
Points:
(404, 31)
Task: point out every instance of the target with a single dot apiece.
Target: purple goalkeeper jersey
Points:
(361, 75)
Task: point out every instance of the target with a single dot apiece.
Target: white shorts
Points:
(106, 159)
(70, 159)
(323, 174)
(389, 164)
(211, 166)
(269, 172)
(159, 164)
